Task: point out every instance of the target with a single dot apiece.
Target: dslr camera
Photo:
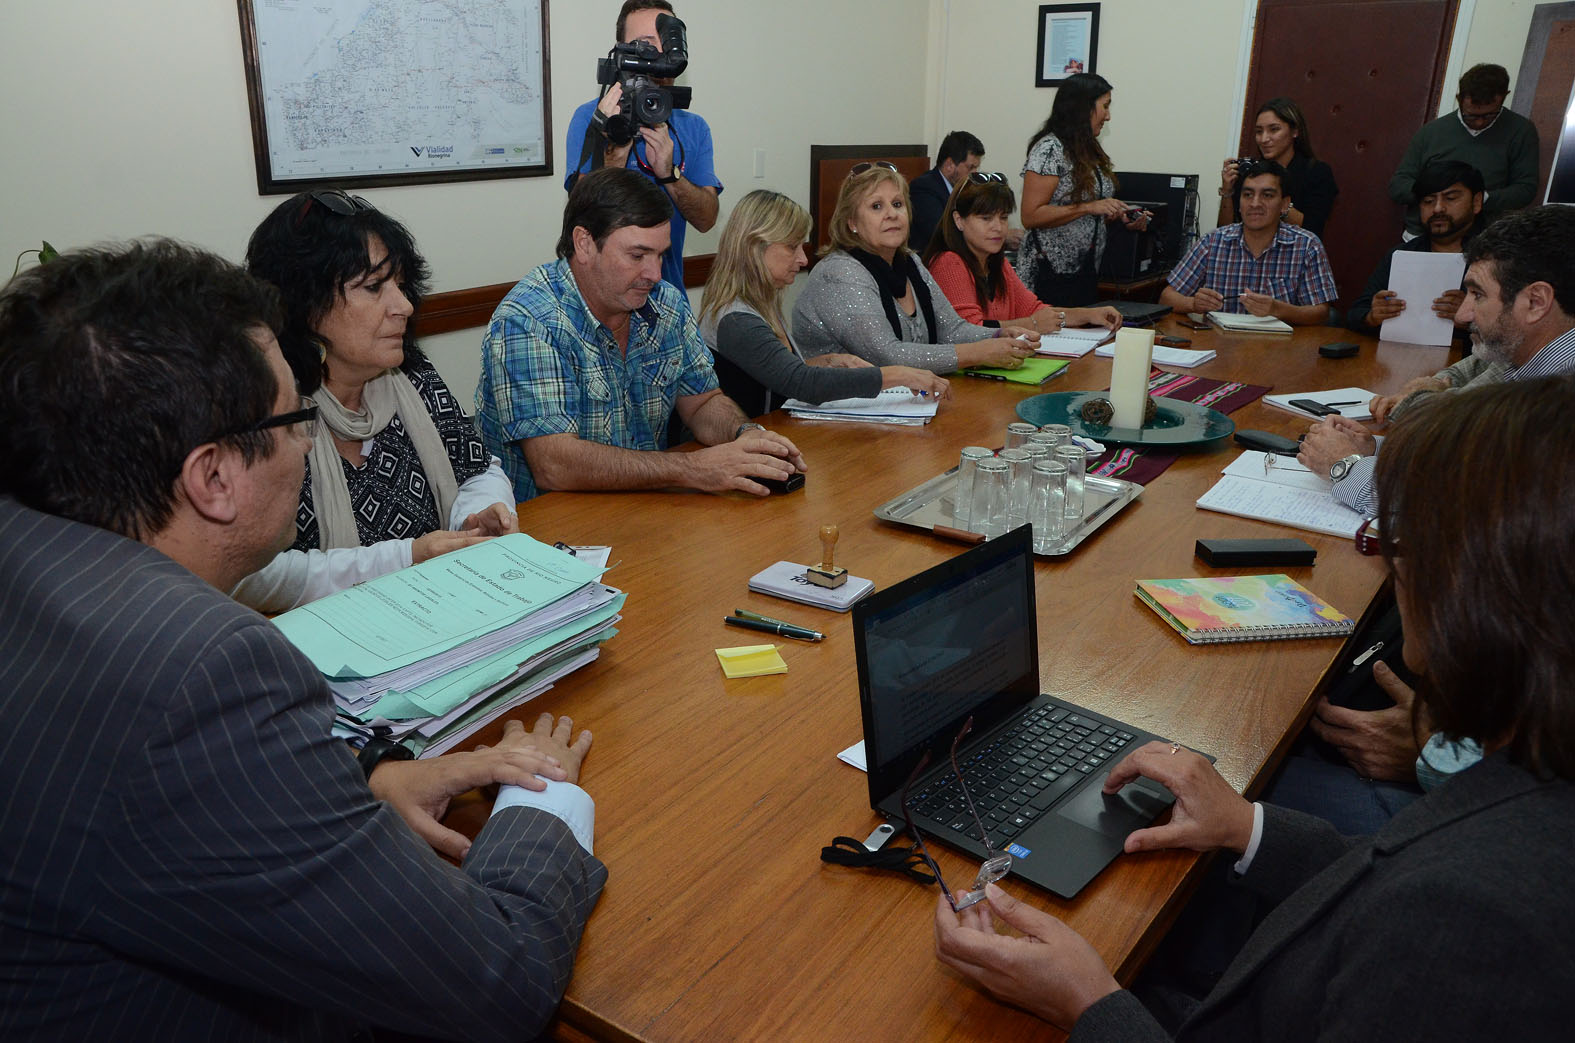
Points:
(636, 66)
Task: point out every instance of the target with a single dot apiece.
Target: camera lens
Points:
(652, 106)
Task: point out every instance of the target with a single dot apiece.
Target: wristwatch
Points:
(378, 750)
(749, 426)
(1341, 467)
(670, 178)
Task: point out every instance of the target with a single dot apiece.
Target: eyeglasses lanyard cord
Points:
(846, 851)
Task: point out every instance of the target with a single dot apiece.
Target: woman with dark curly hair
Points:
(396, 474)
(1069, 192)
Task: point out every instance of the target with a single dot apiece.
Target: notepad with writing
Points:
(1075, 343)
(1236, 322)
(1215, 609)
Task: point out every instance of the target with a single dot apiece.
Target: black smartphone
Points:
(1265, 442)
(1340, 349)
(1193, 325)
(1173, 342)
(780, 486)
(1315, 407)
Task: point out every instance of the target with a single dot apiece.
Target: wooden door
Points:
(1367, 74)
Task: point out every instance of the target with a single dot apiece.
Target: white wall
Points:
(123, 119)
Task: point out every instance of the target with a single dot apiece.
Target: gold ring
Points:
(1174, 747)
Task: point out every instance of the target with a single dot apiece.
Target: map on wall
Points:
(364, 92)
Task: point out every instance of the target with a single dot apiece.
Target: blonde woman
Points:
(761, 252)
(872, 298)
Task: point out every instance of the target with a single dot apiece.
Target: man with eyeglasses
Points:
(1501, 144)
(958, 156)
(188, 852)
(1520, 305)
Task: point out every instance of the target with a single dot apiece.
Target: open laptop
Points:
(1137, 311)
(961, 640)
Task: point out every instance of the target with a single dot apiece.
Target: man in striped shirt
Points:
(1520, 304)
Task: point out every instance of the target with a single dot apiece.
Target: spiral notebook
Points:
(1242, 608)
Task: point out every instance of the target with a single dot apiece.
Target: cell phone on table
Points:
(1265, 442)
(1191, 325)
(1172, 342)
(1315, 407)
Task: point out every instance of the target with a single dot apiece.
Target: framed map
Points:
(355, 93)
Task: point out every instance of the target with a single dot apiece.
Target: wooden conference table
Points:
(714, 797)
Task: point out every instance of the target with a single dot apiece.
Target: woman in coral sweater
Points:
(966, 260)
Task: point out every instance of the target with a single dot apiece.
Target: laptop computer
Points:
(961, 640)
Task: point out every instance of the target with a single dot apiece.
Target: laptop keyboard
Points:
(1020, 773)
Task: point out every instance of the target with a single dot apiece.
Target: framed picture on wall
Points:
(399, 92)
(1068, 42)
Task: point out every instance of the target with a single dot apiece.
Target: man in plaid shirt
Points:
(589, 355)
(1261, 266)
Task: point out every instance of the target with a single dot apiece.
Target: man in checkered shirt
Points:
(1261, 266)
(589, 356)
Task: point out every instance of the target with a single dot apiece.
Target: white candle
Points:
(1129, 376)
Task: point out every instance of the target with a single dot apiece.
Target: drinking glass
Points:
(1017, 433)
(1019, 485)
(1047, 508)
(1075, 460)
(988, 516)
(962, 496)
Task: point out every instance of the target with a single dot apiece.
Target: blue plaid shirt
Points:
(1293, 269)
(549, 367)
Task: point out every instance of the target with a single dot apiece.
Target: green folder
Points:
(1033, 371)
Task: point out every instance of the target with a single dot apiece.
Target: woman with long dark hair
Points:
(1280, 131)
(967, 257)
(1069, 189)
(396, 474)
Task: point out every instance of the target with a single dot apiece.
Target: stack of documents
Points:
(1074, 344)
(1237, 322)
(430, 654)
(1181, 358)
(898, 405)
(1286, 493)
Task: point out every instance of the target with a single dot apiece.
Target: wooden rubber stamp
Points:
(827, 573)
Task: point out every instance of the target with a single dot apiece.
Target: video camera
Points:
(633, 65)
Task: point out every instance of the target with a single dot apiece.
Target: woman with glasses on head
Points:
(761, 252)
(870, 297)
(1280, 131)
(1068, 195)
(1455, 920)
(968, 260)
(396, 474)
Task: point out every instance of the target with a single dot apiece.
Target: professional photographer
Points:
(675, 153)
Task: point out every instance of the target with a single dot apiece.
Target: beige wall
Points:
(123, 119)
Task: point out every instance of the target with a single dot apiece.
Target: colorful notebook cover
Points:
(1242, 608)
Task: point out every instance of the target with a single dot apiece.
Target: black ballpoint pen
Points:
(780, 629)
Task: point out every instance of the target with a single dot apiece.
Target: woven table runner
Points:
(1144, 465)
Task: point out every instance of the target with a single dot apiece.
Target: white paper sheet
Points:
(1419, 279)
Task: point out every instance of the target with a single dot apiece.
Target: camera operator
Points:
(675, 154)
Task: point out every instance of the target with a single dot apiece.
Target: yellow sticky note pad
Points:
(751, 661)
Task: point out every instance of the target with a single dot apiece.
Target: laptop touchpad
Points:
(1116, 815)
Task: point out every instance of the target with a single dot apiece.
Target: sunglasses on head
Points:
(980, 178)
(859, 168)
(335, 201)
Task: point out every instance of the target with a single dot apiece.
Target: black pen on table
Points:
(777, 627)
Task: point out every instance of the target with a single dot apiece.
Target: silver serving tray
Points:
(930, 504)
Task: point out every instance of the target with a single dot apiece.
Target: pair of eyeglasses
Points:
(994, 868)
(306, 416)
(859, 168)
(335, 201)
(980, 178)
(1369, 541)
(1483, 119)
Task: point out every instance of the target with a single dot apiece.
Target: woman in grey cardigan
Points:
(761, 252)
(871, 297)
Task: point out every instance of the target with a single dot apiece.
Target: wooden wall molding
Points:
(454, 310)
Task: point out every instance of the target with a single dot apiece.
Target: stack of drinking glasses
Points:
(1037, 479)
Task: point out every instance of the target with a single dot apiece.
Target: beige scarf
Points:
(381, 399)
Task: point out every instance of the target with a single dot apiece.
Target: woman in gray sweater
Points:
(761, 252)
(871, 297)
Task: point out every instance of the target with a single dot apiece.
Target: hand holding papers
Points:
(1418, 279)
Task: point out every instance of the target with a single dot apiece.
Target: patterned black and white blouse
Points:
(389, 493)
(1066, 248)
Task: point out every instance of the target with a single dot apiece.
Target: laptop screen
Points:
(955, 640)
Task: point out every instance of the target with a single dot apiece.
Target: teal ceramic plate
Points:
(1177, 424)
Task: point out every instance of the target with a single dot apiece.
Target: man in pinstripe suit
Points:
(186, 851)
